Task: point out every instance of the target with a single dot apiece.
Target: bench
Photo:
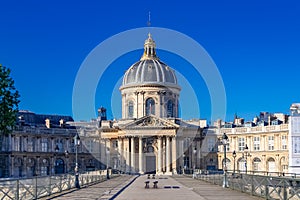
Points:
(147, 184)
(155, 184)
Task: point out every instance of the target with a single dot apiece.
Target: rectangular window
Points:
(256, 143)
(44, 170)
(30, 144)
(44, 144)
(186, 143)
(89, 146)
(115, 144)
(284, 141)
(17, 144)
(255, 166)
(271, 143)
(211, 144)
(241, 144)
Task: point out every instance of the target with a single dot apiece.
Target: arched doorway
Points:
(271, 165)
(241, 164)
(283, 165)
(150, 160)
(228, 164)
(31, 167)
(256, 164)
(59, 166)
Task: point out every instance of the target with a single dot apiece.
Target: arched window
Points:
(130, 109)
(150, 106)
(271, 165)
(170, 109)
(256, 164)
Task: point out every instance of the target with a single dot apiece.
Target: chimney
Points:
(61, 123)
(47, 123)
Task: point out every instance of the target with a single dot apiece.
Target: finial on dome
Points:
(149, 48)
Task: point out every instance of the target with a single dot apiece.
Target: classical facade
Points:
(257, 149)
(150, 138)
(43, 145)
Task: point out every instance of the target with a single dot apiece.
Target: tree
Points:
(9, 101)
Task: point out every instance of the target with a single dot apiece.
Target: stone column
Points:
(25, 145)
(12, 143)
(168, 154)
(143, 102)
(132, 155)
(127, 167)
(12, 161)
(141, 155)
(107, 151)
(159, 156)
(174, 154)
(137, 104)
(181, 161)
(52, 144)
(38, 168)
(38, 142)
(121, 156)
(24, 170)
(163, 154)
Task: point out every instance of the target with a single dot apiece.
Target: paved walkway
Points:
(185, 188)
(104, 190)
(176, 187)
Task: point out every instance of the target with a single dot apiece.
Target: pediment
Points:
(150, 122)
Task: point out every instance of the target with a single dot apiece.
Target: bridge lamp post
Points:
(67, 158)
(234, 156)
(246, 155)
(195, 159)
(224, 142)
(76, 143)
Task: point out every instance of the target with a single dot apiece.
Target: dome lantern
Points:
(149, 49)
(149, 69)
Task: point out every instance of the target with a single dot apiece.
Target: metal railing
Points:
(38, 187)
(268, 187)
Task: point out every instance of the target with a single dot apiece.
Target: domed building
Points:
(150, 87)
(150, 138)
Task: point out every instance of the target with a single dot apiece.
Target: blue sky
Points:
(255, 45)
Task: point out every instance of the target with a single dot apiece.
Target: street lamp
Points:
(66, 155)
(56, 149)
(76, 143)
(234, 156)
(225, 143)
(184, 163)
(246, 154)
(195, 158)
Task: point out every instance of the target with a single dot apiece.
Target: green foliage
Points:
(9, 100)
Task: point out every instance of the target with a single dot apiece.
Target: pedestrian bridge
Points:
(207, 185)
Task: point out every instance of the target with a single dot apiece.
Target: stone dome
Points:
(149, 69)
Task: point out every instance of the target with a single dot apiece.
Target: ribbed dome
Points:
(149, 70)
